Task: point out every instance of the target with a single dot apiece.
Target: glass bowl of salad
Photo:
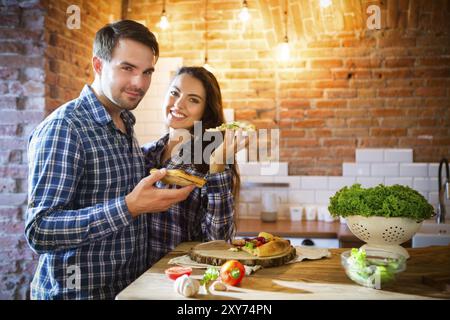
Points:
(372, 268)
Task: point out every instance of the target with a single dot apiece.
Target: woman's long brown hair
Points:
(213, 116)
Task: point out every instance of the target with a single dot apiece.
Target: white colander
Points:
(382, 233)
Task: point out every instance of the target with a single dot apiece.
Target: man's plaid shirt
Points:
(80, 169)
(207, 214)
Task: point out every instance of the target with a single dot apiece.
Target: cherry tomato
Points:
(232, 272)
(261, 239)
(176, 272)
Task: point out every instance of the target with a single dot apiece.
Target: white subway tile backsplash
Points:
(413, 170)
(433, 169)
(398, 155)
(369, 155)
(263, 168)
(336, 183)
(294, 181)
(254, 209)
(314, 182)
(283, 211)
(301, 196)
(369, 182)
(372, 167)
(249, 168)
(242, 209)
(421, 184)
(433, 198)
(434, 184)
(426, 184)
(323, 196)
(257, 179)
(390, 181)
(355, 169)
(384, 170)
(274, 168)
(249, 195)
(282, 194)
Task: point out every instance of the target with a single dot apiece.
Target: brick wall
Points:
(42, 65)
(22, 91)
(346, 87)
(68, 56)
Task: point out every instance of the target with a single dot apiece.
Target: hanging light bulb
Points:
(325, 3)
(244, 15)
(164, 22)
(284, 52)
(207, 66)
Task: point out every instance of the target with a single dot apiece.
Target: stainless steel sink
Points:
(432, 234)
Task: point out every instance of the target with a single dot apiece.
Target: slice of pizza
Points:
(181, 178)
(234, 125)
(264, 245)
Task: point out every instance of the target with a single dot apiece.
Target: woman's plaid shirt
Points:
(207, 214)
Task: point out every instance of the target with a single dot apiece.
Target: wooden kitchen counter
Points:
(315, 279)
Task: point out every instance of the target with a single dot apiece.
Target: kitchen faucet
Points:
(443, 189)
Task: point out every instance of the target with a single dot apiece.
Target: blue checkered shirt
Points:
(80, 169)
(207, 214)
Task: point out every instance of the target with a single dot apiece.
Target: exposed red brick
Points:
(388, 132)
(431, 92)
(326, 63)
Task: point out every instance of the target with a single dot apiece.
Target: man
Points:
(87, 187)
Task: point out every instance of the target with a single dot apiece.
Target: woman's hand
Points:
(234, 141)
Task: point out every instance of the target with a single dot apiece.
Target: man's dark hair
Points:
(107, 37)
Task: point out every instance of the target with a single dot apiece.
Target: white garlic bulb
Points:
(186, 286)
(219, 286)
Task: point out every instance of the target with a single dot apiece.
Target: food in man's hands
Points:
(232, 272)
(181, 178)
(264, 245)
(234, 125)
(176, 272)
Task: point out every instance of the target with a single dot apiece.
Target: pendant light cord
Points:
(206, 31)
(286, 21)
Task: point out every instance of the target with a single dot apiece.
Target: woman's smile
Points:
(177, 115)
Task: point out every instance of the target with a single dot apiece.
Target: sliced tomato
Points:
(176, 272)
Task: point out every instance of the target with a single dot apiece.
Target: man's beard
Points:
(124, 103)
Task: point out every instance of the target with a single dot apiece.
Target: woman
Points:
(208, 213)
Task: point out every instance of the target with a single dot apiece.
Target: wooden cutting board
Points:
(216, 253)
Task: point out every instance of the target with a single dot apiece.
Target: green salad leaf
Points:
(250, 245)
(235, 125)
(211, 274)
(384, 201)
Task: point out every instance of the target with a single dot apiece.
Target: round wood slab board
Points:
(216, 253)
